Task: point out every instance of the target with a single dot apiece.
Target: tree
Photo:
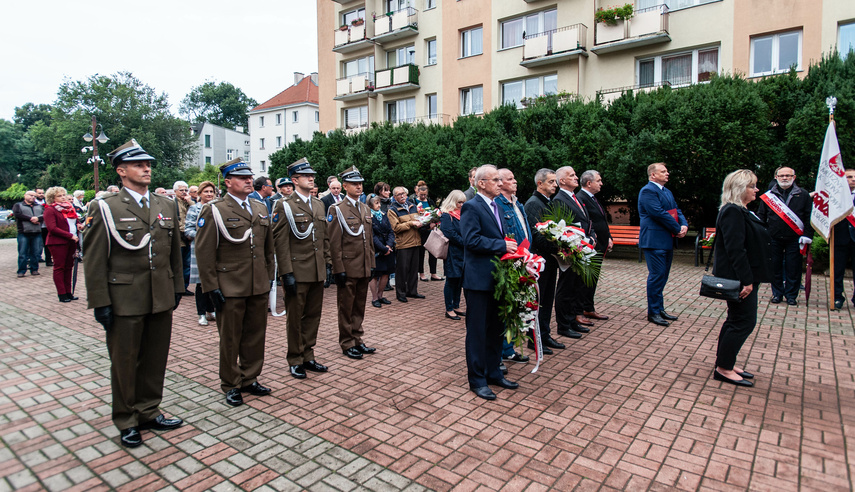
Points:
(29, 114)
(126, 108)
(220, 104)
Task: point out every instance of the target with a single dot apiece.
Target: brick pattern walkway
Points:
(629, 407)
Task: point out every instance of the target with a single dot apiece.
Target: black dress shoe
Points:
(256, 389)
(666, 316)
(484, 392)
(792, 302)
(736, 382)
(377, 304)
(460, 313)
(775, 300)
(131, 437)
(298, 371)
(314, 366)
(388, 288)
(161, 423)
(580, 328)
(566, 332)
(72, 297)
(504, 383)
(417, 296)
(746, 375)
(365, 349)
(658, 320)
(455, 317)
(546, 350)
(551, 343)
(402, 299)
(839, 304)
(353, 353)
(234, 398)
(63, 298)
(383, 300)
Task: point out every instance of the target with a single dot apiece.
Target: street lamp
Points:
(95, 160)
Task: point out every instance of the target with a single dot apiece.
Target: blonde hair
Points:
(451, 201)
(52, 192)
(734, 186)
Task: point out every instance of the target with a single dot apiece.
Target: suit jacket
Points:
(353, 255)
(535, 207)
(128, 280)
(599, 222)
(453, 263)
(57, 226)
(799, 201)
(658, 227)
(470, 193)
(844, 233)
(483, 242)
(238, 270)
(306, 258)
(743, 246)
(581, 216)
(329, 201)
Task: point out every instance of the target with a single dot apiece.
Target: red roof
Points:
(305, 91)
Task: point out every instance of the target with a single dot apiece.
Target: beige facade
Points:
(377, 63)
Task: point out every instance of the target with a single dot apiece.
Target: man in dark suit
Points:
(334, 196)
(483, 241)
(133, 282)
(844, 248)
(569, 294)
(262, 191)
(471, 191)
(661, 221)
(535, 207)
(591, 183)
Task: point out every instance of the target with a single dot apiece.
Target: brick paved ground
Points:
(629, 407)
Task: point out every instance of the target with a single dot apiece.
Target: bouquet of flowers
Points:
(516, 277)
(429, 215)
(575, 249)
(707, 241)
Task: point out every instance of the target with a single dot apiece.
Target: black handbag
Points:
(724, 289)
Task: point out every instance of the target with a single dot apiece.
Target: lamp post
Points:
(95, 160)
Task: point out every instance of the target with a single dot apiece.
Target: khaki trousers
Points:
(351, 311)
(303, 318)
(242, 324)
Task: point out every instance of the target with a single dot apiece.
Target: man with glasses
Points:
(263, 190)
(28, 215)
(403, 216)
(182, 198)
(786, 212)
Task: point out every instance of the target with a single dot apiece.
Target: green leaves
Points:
(221, 104)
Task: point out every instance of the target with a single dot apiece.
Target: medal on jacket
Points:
(129, 236)
(160, 218)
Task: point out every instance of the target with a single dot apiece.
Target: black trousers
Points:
(431, 261)
(740, 322)
(844, 255)
(203, 304)
(569, 298)
(546, 285)
(786, 269)
(483, 338)
(407, 272)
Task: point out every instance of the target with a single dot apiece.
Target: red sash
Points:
(783, 211)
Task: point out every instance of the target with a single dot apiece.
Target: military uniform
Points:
(302, 250)
(133, 273)
(352, 251)
(234, 253)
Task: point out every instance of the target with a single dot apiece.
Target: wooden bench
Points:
(625, 236)
(704, 234)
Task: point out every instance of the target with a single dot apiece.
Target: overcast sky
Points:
(170, 45)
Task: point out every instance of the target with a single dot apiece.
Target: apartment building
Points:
(435, 60)
(287, 116)
(216, 144)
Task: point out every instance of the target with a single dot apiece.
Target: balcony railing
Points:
(352, 37)
(354, 86)
(432, 119)
(555, 45)
(397, 79)
(607, 96)
(396, 25)
(647, 26)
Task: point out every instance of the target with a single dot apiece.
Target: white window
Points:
(360, 66)
(317, 116)
(278, 119)
(295, 137)
(246, 156)
(261, 143)
(401, 56)
(430, 4)
(394, 5)
(356, 117)
(678, 69)
(246, 142)
(208, 160)
(230, 154)
(776, 53)
(472, 100)
(431, 52)
(263, 165)
(846, 39)
(347, 18)
(470, 42)
(401, 111)
(278, 142)
(513, 29)
(295, 116)
(431, 105)
(514, 92)
(261, 121)
(671, 4)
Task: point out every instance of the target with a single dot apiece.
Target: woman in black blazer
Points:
(384, 252)
(742, 252)
(453, 265)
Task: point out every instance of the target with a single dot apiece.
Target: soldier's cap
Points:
(300, 167)
(129, 152)
(351, 175)
(283, 181)
(235, 167)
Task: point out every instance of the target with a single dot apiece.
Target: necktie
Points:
(244, 207)
(599, 206)
(496, 214)
(143, 203)
(578, 204)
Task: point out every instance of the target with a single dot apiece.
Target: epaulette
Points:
(107, 194)
(256, 199)
(215, 200)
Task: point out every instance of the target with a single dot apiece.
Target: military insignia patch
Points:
(201, 222)
(129, 236)
(329, 218)
(88, 221)
(276, 217)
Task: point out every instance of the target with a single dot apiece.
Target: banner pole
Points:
(831, 232)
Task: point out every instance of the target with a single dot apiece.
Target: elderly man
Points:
(403, 216)
(484, 241)
(29, 218)
(334, 196)
(591, 183)
(115, 189)
(182, 198)
(661, 222)
(786, 212)
(193, 191)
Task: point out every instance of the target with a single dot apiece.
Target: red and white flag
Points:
(832, 201)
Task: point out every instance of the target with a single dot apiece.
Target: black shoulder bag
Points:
(724, 289)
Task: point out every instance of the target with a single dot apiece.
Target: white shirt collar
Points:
(307, 199)
(488, 200)
(661, 187)
(588, 192)
(241, 202)
(136, 196)
(351, 200)
(568, 192)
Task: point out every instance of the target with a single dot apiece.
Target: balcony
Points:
(352, 38)
(647, 26)
(607, 96)
(433, 119)
(396, 25)
(398, 79)
(355, 129)
(354, 87)
(555, 46)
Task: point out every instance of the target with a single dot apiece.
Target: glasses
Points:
(268, 186)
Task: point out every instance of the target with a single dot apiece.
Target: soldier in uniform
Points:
(234, 252)
(303, 255)
(352, 251)
(133, 282)
(285, 187)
